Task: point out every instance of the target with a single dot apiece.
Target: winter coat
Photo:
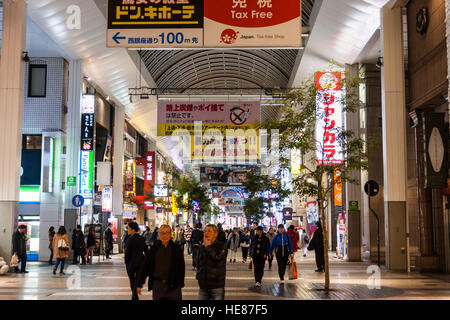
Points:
(197, 236)
(51, 235)
(263, 249)
(147, 236)
(293, 235)
(19, 243)
(282, 244)
(211, 265)
(90, 240)
(233, 241)
(316, 242)
(304, 239)
(177, 266)
(134, 250)
(109, 235)
(245, 240)
(221, 236)
(57, 253)
(79, 240)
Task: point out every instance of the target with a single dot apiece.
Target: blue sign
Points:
(78, 201)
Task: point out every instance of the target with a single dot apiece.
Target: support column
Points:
(394, 139)
(12, 73)
(353, 191)
(118, 156)
(73, 142)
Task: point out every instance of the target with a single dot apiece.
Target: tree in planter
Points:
(297, 129)
(256, 184)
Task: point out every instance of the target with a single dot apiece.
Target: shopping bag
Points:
(293, 271)
(14, 261)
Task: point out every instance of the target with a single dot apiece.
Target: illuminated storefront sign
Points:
(149, 181)
(130, 176)
(296, 162)
(88, 103)
(161, 190)
(329, 110)
(337, 188)
(107, 199)
(87, 131)
(86, 174)
(174, 204)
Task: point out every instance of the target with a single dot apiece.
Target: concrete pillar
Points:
(353, 191)
(73, 135)
(12, 73)
(394, 138)
(118, 156)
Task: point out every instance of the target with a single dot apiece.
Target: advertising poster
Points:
(228, 192)
(312, 216)
(329, 119)
(86, 174)
(107, 199)
(224, 174)
(130, 172)
(149, 180)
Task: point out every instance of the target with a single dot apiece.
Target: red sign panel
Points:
(149, 180)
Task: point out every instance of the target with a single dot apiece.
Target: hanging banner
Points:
(213, 115)
(229, 192)
(174, 204)
(130, 176)
(312, 216)
(204, 23)
(107, 199)
(149, 182)
(435, 155)
(329, 122)
(296, 162)
(337, 189)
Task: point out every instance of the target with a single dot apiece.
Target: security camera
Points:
(379, 63)
(26, 58)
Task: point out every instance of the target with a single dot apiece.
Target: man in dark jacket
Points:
(165, 268)
(109, 241)
(211, 266)
(80, 246)
(221, 236)
(134, 256)
(282, 245)
(20, 248)
(259, 252)
(196, 240)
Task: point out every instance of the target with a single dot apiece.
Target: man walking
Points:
(20, 248)
(196, 240)
(165, 268)
(259, 252)
(187, 237)
(283, 247)
(221, 236)
(80, 246)
(134, 256)
(211, 266)
(109, 241)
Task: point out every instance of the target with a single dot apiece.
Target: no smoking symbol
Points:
(238, 116)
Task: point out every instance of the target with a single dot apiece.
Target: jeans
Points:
(61, 261)
(305, 250)
(270, 259)
(189, 247)
(195, 249)
(211, 294)
(282, 264)
(259, 264)
(51, 256)
(23, 262)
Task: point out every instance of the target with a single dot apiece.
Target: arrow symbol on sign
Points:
(116, 38)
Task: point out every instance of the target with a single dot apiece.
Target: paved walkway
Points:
(107, 280)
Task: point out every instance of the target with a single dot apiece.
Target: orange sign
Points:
(337, 188)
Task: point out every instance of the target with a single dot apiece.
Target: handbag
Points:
(293, 274)
(62, 245)
(14, 261)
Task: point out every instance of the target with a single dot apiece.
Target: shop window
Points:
(37, 81)
(32, 142)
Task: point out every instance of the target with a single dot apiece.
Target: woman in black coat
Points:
(316, 244)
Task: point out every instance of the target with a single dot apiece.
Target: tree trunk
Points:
(325, 245)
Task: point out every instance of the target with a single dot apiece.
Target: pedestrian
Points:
(221, 236)
(259, 253)
(196, 240)
(80, 246)
(147, 236)
(177, 235)
(61, 249)
(316, 244)
(245, 244)
(165, 268)
(295, 238)
(19, 241)
(125, 236)
(252, 234)
(154, 236)
(233, 244)
(304, 241)
(74, 241)
(187, 237)
(90, 245)
(211, 266)
(134, 256)
(282, 245)
(51, 234)
(270, 236)
(109, 241)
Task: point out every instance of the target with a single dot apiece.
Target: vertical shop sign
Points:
(86, 172)
(149, 182)
(130, 176)
(174, 205)
(87, 131)
(329, 119)
(296, 162)
(107, 199)
(337, 188)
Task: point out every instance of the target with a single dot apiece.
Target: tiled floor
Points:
(107, 280)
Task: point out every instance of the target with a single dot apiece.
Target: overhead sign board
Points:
(161, 190)
(86, 174)
(204, 23)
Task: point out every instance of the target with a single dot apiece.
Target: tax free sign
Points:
(204, 23)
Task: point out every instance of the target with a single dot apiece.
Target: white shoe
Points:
(258, 284)
(281, 281)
